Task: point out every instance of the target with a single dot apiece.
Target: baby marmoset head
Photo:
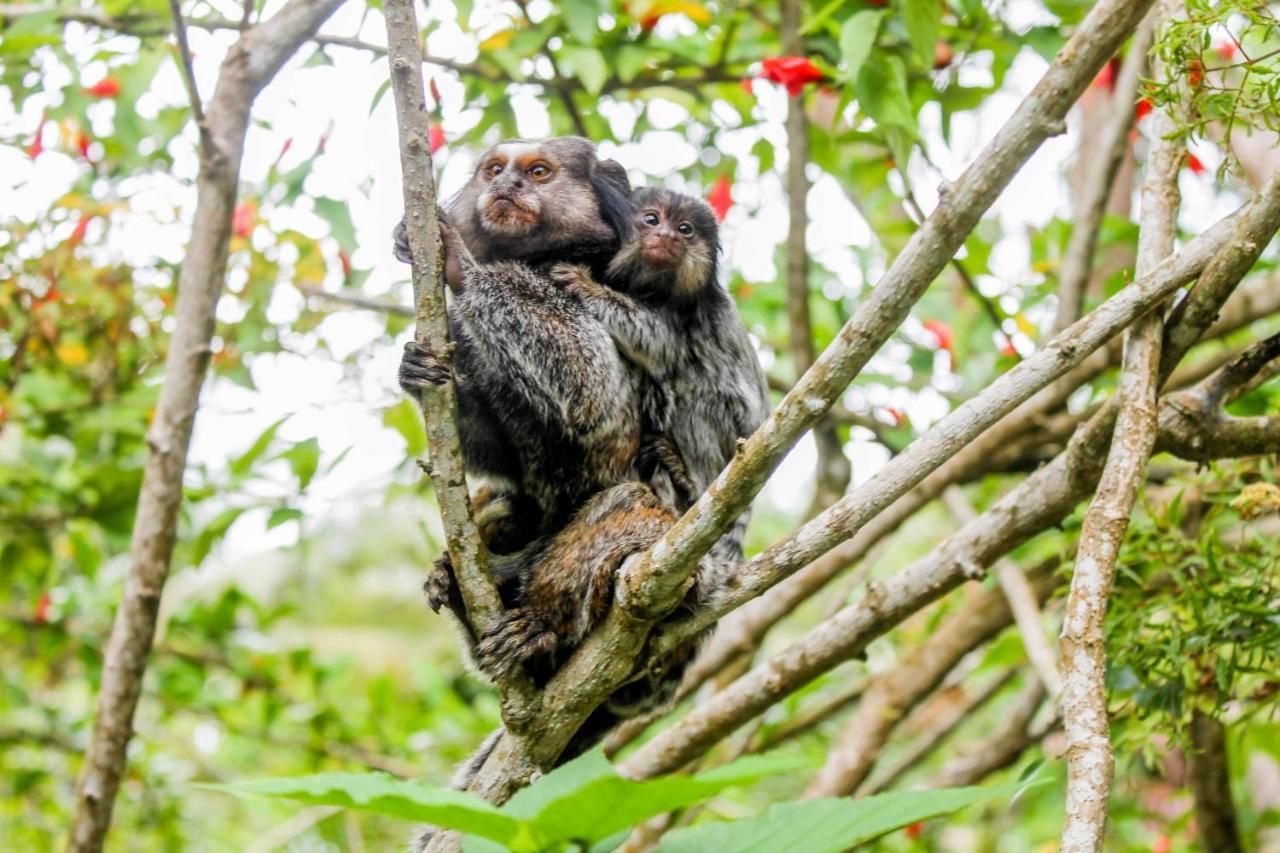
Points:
(671, 251)
(542, 200)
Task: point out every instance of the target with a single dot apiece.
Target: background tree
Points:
(290, 638)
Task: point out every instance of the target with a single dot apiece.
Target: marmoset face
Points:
(672, 250)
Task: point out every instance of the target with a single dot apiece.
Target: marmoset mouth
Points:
(509, 212)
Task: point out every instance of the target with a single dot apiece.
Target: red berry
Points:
(1227, 51)
(42, 608)
(1143, 109)
(943, 55)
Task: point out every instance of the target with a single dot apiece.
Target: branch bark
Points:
(1090, 764)
(439, 406)
(1100, 175)
(249, 65)
(895, 692)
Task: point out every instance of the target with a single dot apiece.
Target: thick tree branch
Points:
(1082, 644)
(439, 406)
(933, 449)
(1100, 174)
(1039, 502)
(250, 63)
(660, 574)
(895, 692)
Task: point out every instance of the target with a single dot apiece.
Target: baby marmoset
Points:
(702, 387)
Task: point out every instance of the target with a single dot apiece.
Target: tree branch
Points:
(439, 406)
(1100, 174)
(1022, 601)
(1002, 747)
(895, 692)
(1090, 763)
(660, 574)
(1039, 502)
(188, 73)
(922, 743)
(250, 63)
(833, 468)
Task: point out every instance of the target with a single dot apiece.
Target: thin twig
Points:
(1026, 611)
(188, 70)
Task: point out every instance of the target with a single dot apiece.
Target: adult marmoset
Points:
(548, 410)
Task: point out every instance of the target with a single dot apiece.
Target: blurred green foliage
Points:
(318, 657)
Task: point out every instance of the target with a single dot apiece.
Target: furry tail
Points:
(461, 780)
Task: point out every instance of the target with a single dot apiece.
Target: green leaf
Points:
(379, 95)
(586, 799)
(242, 463)
(819, 826)
(581, 16)
(385, 795)
(405, 419)
(283, 515)
(588, 65)
(882, 93)
(921, 18)
(339, 218)
(630, 60)
(303, 458)
(857, 38)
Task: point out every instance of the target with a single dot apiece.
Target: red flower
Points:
(1227, 51)
(721, 197)
(648, 22)
(748, 85)
(82, 142)
(1143, 109)
(915, 830)
(345, 260)
(244, 218)
(1195, 73)
(1106, 78)
(895, 414)
(435, 137)
(107, 87)
(942, 332)
(435, 92)
(41, 615)
(794, 72)
(1194, 164)
(81, 228)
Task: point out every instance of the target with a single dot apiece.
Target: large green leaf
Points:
(385, 795)
(819, 826)
(857, 38)
(588, 65)
(921, 18)
(882, 94)
(587, 800)
(581, 16)
(338, 216)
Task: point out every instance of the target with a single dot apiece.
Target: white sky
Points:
(361, 167)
